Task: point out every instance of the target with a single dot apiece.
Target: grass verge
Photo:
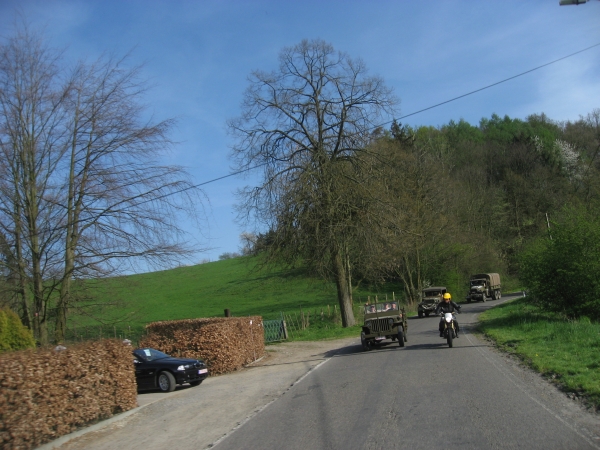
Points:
(565, 351)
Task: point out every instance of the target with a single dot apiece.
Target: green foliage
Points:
(13, 334)
(564, 351)
(462, 132)
(563, 273)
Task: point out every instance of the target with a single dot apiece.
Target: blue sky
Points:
(198, 55)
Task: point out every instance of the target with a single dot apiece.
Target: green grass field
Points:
(567, 352)
(206, 290)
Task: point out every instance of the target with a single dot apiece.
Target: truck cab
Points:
(484, 285)
(430, 299)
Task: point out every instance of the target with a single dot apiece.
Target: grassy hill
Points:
(204, 290)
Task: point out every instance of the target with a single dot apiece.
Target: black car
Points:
(157, 370)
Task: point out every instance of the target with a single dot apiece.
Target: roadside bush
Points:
(562, 273)
(47, 393)
(226, 344)
(13, 334)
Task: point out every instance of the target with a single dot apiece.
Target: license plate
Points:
(202, 371)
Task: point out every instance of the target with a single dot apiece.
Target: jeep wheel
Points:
(494, 295)
(401, 338)
(365, 344)
(426, 314)
(420, 314)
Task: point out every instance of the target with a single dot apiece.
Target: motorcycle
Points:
(449, 330)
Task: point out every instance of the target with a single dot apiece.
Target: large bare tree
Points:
(307, 125)
(83, 190)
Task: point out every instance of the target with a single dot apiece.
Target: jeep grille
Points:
(380, 325)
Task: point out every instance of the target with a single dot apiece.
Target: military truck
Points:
(484, 285)
(431, 297)
(385, 320)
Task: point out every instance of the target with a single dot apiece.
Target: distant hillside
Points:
(205, 290)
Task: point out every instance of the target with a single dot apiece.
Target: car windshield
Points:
(149, 354)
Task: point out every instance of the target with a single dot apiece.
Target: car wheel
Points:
(401, 338)
(166, 382)
(365, 345)
(195, 383)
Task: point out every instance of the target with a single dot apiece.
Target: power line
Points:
(399, 118)
(495, 84)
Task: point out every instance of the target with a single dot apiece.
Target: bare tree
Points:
(307, 125)
(83, 192)
(30, 135)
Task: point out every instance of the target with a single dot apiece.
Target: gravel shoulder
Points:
(200, 417)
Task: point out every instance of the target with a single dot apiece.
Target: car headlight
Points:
(183, 368)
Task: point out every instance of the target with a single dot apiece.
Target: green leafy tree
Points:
(561, 271)
(13, 334)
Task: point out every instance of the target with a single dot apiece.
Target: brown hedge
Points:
(45, 394)
(224, 343)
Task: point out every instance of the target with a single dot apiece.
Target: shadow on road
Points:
(178, 388)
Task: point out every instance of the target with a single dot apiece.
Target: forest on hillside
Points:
(355, 202)
(432, 205)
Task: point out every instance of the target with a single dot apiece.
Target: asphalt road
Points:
(332, 395)
(423, 396)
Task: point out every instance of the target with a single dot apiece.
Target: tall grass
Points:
(566, 351)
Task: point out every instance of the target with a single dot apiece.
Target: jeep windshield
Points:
(431, 294)
(381, 307)
(477, 282)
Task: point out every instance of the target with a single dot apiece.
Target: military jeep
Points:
(431, 297)
(383, 321)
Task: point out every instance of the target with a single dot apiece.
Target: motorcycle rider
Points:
(447, 306)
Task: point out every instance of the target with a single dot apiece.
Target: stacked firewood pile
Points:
(225, 343)
(47, 393)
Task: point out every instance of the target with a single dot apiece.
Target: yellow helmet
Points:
(447, 296)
